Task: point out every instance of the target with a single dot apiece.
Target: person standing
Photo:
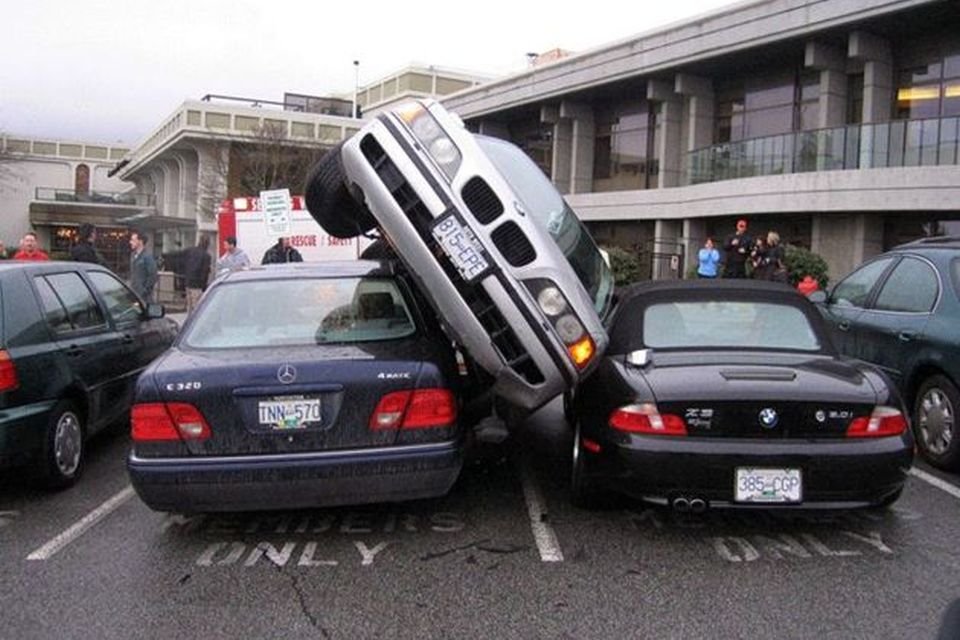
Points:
(196, 271)
(29, 249)
(85, 249)
(758, 260)
(775, 265)
(281, 252)
(233, 258)
(737, 249)
(143, 267)
(708, 259)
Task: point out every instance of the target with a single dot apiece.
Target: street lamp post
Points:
(356, 85)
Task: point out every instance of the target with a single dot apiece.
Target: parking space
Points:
(504, 553)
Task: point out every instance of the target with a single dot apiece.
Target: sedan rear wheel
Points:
(935, 422)
(63, 446)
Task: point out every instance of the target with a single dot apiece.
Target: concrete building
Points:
(834, 122)
(52, 186)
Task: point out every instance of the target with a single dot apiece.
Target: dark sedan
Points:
(729, 394)
(299, 386)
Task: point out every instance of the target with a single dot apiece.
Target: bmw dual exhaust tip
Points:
(689, 505)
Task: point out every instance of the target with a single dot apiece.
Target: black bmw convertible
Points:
(730, 394)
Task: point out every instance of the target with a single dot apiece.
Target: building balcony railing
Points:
(51, 194)
(899, 143)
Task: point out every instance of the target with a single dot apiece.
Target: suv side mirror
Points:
(155, 311)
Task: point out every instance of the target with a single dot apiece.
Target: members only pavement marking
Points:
(80, 526)
(543, 533)
(929, 478)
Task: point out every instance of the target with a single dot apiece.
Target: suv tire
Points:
(330, 202)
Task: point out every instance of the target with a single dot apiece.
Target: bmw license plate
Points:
(460, 244)
(768, 485)
(290, 412)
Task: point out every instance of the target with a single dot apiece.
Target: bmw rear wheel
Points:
(63, 446)
(330, 202)
(935, 422)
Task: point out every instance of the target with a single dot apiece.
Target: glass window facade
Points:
(767, 104)
(624, 155)
(928, 80)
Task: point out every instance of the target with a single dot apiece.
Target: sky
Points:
(107, 71)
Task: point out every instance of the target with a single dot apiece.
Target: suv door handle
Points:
(73, 351)
(843, 325)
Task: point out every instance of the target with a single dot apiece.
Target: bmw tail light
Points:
(8, 372)
(884, 421)
(415, 409)
(172, 421)
(645, 418)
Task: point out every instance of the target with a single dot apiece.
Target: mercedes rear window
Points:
(727, 324)
(299, 312)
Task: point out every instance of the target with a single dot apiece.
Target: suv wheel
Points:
(935, 422)
(330, 202)
(63, 446)
(583, 490)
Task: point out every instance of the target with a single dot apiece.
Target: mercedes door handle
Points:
(127, 338)
(73, 351)
(905, 336)
(843, 326)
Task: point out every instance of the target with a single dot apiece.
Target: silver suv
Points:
(506, 264)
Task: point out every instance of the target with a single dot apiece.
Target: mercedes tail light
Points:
(415, 409)
(170, 421)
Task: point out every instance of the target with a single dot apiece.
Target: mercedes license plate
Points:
(768, 485)
(460, 244)
(289, 412)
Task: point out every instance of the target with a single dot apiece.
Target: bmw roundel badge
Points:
(769, 418)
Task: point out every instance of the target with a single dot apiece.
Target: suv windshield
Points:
(300, 312)
(548, 208)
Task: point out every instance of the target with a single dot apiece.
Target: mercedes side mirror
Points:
(155, 311)
(818, 297)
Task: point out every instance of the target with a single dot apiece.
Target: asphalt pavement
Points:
(503, 555)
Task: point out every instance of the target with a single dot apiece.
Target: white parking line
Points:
(935, 481)
(543, 533)
(81, 526)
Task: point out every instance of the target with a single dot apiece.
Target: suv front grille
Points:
(501, 334)
(513, 244)
(481, 200)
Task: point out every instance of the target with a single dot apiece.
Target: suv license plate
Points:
(768, 485)
(460, 244)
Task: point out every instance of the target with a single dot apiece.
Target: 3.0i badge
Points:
(768, 418)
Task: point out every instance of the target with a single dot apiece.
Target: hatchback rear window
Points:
(272, 313)
(728, 324)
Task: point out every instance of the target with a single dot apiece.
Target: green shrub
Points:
(624, 264)
(801, 262)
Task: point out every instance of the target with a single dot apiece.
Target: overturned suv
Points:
(511, 271)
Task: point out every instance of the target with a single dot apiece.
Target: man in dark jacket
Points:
(196, 271)
(85, 249)
(143, 267)
(737, 247)
(281, 252)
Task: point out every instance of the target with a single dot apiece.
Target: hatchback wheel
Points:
(63, 446)
(935, 422)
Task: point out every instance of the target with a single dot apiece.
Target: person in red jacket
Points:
(808, 285)
(29, 249)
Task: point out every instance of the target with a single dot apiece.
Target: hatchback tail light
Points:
(415, 409)
(884, 421)
(645, 418)
(8, 372)
(171, 421)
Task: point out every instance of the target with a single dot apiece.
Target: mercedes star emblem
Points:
(287, 374)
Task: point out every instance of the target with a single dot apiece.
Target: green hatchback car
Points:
(901, 312)
(73, 339)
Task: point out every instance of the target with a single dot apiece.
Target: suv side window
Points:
(854, 290)
(911, 288)
(76, 297)
(122, 304)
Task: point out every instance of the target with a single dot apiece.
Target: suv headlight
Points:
(554, 305)
(431, 137)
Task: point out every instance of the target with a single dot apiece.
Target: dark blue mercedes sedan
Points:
(300, 386)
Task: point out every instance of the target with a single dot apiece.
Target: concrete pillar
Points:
(670, 119)
(666, 247)
(698, 118)
(694, 235)
(831, 62)
(583, 138)
(875, 54)
(189, 183)
(845, 240)
(562, 153)
(159, 188)
(171, 187)
(213, 164)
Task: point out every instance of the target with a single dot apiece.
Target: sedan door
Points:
(848, 300)
(889, 330)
